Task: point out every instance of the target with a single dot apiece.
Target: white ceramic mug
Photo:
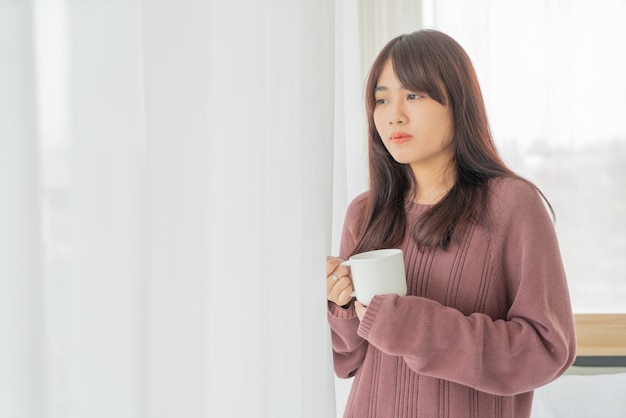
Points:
(378, 272)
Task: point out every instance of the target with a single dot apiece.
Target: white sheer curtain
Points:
(166, 185)
(21, 307)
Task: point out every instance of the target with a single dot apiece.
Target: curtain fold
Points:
(271, 125)
(105, 306)
(177, 77)
(22, 373)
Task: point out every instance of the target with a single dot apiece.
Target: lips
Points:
(399, 137)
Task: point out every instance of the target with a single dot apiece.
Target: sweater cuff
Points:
(370, 316)
(341, 313)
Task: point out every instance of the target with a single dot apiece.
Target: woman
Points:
(487, 318)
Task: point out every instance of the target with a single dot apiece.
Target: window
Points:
(552, 74)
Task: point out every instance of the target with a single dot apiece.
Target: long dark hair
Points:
(431, 62)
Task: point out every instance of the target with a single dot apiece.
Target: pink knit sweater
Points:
(484, 322)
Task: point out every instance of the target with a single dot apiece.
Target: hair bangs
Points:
(417, 68)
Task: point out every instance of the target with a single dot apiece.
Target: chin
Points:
(402, 159)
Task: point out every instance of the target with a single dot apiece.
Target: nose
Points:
(397, 115)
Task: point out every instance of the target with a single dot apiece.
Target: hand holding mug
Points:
(339, 286)
(377, 272)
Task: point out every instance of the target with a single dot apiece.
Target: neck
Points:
(432, 186)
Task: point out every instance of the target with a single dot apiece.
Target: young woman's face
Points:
(415, 129)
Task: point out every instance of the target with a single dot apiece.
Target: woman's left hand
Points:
(360, 310)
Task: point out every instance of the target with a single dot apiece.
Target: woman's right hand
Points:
(338, 281)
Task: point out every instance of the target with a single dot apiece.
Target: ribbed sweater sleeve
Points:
(532, 343)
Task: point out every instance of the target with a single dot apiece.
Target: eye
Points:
(380, 101)
(413, 96)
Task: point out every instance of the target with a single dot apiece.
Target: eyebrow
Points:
(385, 88)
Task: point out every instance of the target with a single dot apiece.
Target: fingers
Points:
(334, 269)
(332, 263)
(340, 291)
(334, 288)
(341, 295)
(360, 310)
(338, 281)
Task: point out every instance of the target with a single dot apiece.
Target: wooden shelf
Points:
(600, 334)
